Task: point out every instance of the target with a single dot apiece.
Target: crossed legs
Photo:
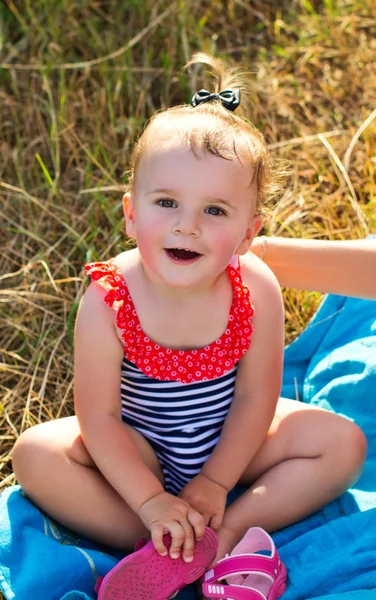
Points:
(309, 457)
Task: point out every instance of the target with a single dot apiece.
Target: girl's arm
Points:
(258, 382)
(337, 267)
(98, 357)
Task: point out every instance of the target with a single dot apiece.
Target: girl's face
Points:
(190, 215)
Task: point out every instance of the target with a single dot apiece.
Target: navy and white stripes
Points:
(181, 421)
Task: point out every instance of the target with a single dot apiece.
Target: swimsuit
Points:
(177, 399)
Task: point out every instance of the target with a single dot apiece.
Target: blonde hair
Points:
(211, 128)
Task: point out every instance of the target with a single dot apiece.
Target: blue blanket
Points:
(330, 555)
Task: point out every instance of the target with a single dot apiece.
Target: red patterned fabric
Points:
(186, 366)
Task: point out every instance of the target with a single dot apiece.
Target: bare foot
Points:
(227, 540)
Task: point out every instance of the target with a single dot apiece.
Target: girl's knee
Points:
(35, 451)
(25, 451)
(359, 446)
(348, 447)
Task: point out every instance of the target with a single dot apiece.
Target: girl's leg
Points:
(309, 457)
(57, 473)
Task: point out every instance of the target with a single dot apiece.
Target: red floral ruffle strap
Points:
(108, 276)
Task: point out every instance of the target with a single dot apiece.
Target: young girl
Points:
(178, 358)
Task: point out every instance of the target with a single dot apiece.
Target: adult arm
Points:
(347, 268)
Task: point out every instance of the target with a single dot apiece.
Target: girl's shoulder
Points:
(260, 279)
(127, 262)
(115, 272)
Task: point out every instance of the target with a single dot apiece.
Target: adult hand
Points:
(207, 497)
(165, 513)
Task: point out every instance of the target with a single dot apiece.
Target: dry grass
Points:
(79, 79)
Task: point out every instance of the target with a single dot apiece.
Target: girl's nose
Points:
(187, 223)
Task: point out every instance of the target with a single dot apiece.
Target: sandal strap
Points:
(235, 592)
(243, 564)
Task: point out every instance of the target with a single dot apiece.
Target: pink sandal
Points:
(253, 571)
(146, 575)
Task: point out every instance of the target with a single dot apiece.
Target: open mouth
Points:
(182, 254)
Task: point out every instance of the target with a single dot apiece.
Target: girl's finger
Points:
(197, 522)
(189, 542)
(216, 520)
(177, 538)
(206, 517)
(157, 538)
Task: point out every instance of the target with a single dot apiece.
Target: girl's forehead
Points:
(177, 160)
(174, 164)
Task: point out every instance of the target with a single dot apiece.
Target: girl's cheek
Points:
(228, 239)
(150, 224)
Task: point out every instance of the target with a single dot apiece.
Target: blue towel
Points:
(329, 556)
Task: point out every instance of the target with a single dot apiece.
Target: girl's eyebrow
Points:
(222, 201)
(162, 191)
(175, 193)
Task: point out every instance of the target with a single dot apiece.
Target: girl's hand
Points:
(207, 497)
(164, 513)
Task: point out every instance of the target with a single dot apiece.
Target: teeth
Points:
(184, 249)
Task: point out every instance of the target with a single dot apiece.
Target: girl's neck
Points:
(168, 293)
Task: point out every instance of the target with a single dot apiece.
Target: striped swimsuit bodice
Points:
(182, 421)
(177, 399)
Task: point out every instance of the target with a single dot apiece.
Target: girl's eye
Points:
(214, 210)
(167, 203)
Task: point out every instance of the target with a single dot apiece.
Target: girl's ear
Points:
(253, 229)
(129, 216)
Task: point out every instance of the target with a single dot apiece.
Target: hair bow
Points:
(230, 99)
